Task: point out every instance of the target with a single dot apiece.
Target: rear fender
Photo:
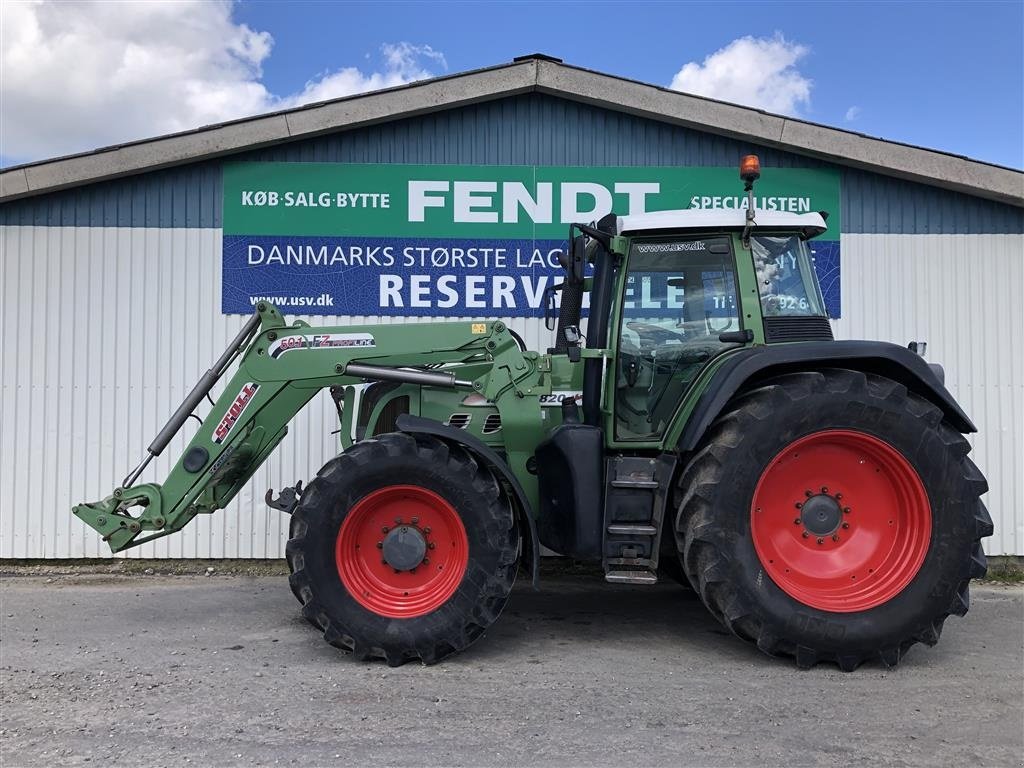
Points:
(748, 367)
(417, 424)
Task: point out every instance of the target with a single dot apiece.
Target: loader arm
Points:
(280, 368)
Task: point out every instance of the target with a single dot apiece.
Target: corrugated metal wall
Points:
(961, 295)
(111, 296)
(106, 329)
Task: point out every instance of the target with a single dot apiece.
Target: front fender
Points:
(417, 424)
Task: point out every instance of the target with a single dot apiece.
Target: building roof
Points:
(535, 73)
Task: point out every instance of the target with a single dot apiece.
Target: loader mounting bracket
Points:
(287, 500)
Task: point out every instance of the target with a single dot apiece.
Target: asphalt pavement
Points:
(155, 670)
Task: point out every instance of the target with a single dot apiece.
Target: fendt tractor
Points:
(816, 494)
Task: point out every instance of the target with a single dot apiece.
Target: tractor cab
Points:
(672, 291)
(692, 288)
(674, 295)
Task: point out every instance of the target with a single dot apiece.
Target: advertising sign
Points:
(458, 240)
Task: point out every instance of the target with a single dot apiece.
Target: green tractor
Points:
(816, 494)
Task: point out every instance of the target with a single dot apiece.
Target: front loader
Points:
(817, 494)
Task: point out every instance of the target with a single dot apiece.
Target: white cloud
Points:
(76, 76)
(404, 63)
(757, 72)
(852, 113)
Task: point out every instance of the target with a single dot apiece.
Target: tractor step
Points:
(620, 529)
(637, 492)
(631, 577)
(648, 484)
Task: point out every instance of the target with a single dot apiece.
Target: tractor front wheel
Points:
(833, 516)
(402, 548)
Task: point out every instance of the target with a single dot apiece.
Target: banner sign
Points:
(458, 240)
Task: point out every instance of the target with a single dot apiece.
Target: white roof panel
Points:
(812, 224)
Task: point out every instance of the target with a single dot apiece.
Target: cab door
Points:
(677, 296)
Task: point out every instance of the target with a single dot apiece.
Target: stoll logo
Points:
(234, 412)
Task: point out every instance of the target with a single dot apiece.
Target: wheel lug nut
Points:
(380, 545)
(835, 537)
(846, 525)
(431, 545)
(797, 521)
(385, 529)
(415, 520)
(846, 510)
(821, 540)
(799, 505)
(808, 494)
(839, 496)
(412, 570)
(426, 530)
(824, 489)
(398, 521)
(426, 561)
(806, 535)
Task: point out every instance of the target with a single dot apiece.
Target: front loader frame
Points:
(281, 368)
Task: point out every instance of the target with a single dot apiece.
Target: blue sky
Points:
(948, 76)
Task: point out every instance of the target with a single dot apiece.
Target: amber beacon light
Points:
(750, 169)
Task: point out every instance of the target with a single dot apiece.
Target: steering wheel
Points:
(651, 335)
(712, 330)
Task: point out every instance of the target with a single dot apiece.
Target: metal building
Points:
(114, 273)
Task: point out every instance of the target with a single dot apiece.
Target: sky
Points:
(75, 76)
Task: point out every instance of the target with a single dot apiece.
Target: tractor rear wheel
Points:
(403, 547)
(832, 516)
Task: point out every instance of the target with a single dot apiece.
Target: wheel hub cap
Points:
(404, 548)
(821, 515)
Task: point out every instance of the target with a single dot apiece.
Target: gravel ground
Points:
(154, 670)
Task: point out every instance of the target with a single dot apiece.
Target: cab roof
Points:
(808, 224)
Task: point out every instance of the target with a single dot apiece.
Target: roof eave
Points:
(305, 122)
(834, 145)
(543, 75)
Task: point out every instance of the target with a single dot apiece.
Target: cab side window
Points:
(678, 297)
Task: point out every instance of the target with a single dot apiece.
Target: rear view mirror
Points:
(574, 262)
(550, 308)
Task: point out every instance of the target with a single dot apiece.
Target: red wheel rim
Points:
(406, 593)
(883, 529)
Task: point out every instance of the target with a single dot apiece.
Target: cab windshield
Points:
(786, 277)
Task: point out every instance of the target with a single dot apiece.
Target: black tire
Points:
(670, 564)
(483, 508)
(713, 524)
(292, 530)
